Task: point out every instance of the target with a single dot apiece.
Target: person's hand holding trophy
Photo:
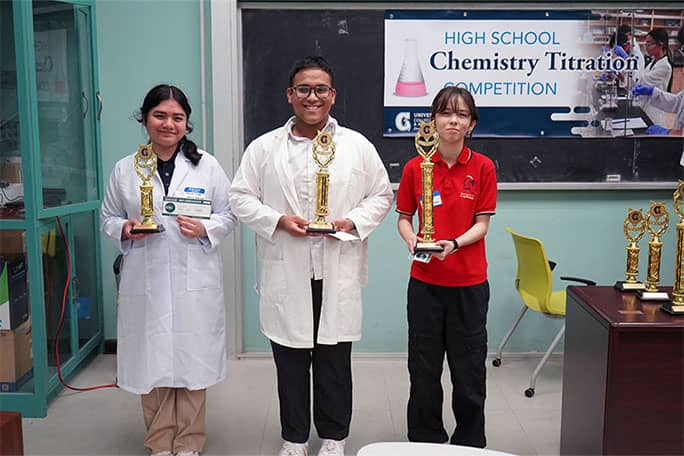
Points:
(146, 166)
(426, 142)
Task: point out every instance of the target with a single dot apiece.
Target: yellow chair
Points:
(535, 286)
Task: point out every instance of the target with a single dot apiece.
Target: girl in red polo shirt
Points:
(448, 296)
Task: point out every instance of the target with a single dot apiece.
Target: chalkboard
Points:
(352, 40)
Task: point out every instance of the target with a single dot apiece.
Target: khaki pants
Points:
(174, 418)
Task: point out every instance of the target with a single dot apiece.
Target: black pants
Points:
(332, 385)
(451, 320)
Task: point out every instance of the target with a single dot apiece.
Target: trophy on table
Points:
(145, 166)
(634, 227)
(657, 222)
(426, 142)
(677, 305)
(323, 154)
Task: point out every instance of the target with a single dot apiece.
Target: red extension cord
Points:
(61, 321)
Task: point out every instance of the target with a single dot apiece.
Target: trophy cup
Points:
(634, 227)
(657, 222)
(323, 154)
(426, 142)
(677, 306)
(145, 166)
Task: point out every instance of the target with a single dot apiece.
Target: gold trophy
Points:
(677, 306)
(145, 166)
(634, 227)
(657, 222)
(323, 154)
(427, 141)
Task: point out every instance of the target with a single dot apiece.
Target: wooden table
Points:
(623, 375)
(11, 439)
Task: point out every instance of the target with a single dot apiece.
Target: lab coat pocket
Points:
(273, 279)
(133, 275)
(204, 269)
(350, 266)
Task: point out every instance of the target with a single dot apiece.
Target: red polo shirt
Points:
(466, 189)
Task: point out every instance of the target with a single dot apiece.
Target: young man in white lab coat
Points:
(310, 285)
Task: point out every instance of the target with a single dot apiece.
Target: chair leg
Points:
(530, 392)
(497, 361)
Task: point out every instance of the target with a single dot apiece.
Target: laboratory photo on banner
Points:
(583, 73)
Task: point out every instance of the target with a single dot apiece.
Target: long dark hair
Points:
(163, 92)
(662, 39)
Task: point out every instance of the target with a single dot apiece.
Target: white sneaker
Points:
(332, 448)
(187, 453)
(294, 449)
(162, 453)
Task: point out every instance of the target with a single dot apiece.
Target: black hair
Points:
(662, 39)
(446, 97)
(680, 36)
(163, 92)
(311, 61)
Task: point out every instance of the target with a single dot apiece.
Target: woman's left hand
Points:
(448, 249)
(191, 227)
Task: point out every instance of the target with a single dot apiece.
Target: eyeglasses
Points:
(650, 43)
(303, 91)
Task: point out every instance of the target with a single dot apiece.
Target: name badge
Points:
(189, 207)
(194, 192)
(436, 199)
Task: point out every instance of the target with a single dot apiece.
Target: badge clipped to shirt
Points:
(436, 199)
(189, 207)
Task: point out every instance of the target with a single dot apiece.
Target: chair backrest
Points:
(533, 279)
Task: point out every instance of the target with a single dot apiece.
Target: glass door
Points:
(65, 96)
(49, 132)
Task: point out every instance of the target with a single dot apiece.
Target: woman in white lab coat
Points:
(658, 73)
(171, 318)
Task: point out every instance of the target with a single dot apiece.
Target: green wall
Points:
(141, 44)
(581, 230)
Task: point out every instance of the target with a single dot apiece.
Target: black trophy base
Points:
(428, 247)
(326, 228)
(142, 229)
(672, 310)
(653, 296)
(630, 286)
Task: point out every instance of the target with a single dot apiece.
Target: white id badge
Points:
(436, 199)
(422, 257)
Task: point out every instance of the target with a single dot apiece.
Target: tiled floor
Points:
(242, 413)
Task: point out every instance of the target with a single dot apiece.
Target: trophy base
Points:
(428, 247)
(323, 228)
(672, 310)
(654, 296)
(142, 229)
(630, 286)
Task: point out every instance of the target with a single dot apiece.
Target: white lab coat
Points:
(263, 190)
(171, 322)
(656, 75)
(671, 102)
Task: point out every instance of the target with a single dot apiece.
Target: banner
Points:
(532, 73)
